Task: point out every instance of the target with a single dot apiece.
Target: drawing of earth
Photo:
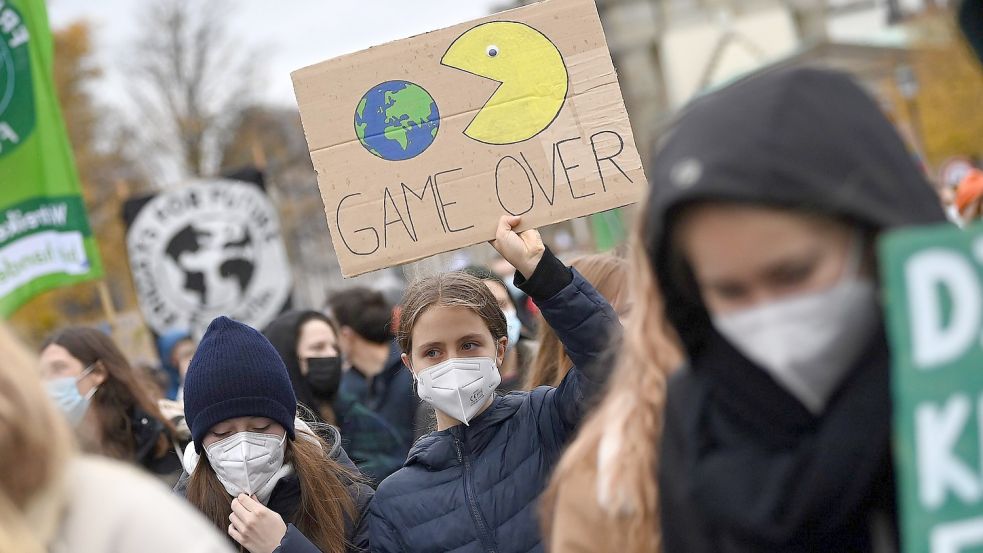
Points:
(396, 120)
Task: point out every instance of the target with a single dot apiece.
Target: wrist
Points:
(529, 267)
(548, 277)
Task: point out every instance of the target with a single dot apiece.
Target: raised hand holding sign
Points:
(422, 144)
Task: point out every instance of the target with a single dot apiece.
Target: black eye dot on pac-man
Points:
(492, 51)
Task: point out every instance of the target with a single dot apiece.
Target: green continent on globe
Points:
(408, 106)
(360, 127)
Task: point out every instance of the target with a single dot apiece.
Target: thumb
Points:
(505, 225)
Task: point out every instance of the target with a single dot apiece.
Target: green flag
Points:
(45, 239)
(933, 297)
(609, 229)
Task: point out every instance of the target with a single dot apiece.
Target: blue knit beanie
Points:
(236, 373)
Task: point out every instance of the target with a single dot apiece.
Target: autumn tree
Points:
(949, 98)
(104, 171)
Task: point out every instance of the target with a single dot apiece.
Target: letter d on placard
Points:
(934, 340)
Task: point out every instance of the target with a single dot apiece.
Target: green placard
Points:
(933, 280)
(45, 239)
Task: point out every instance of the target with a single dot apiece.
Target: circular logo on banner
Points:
(207, 249)
(16, 90)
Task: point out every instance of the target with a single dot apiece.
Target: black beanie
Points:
(236, 373)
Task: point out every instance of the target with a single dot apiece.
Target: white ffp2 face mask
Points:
(808, 343)
(460, 387)
(246, 461)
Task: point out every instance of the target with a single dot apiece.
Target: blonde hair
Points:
(618, 445)
(35, 446)
(609, 276)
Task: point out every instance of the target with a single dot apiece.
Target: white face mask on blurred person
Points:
(460, 387)
(246, 462)
(809, 342)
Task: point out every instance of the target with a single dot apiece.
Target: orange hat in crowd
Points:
(970, 189)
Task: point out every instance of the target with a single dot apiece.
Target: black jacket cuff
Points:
(549, 277)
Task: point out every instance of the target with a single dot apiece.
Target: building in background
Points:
(667, 51)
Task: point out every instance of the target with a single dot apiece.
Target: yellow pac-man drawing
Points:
(531, 72)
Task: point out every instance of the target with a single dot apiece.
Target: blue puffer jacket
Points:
(475, 488)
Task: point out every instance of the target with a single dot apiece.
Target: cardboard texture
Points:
(420, 145)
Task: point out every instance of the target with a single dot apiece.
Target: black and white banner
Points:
(211, 247)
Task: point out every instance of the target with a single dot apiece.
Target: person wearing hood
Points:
(176, 348)
(767, 198)
(307, 341)
(473, 485)
(282, 485)
(111, 411)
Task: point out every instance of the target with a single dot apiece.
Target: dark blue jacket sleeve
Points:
(295, 542)
(586, 325)
(384, 538)
(357, 529)
(359, 536)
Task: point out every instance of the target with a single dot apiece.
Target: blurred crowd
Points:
(722, 387)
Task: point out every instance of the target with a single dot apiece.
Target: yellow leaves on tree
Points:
(100, 171)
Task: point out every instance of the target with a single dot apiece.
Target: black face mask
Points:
(324, 375)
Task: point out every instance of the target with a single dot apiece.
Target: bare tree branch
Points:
(190, 80)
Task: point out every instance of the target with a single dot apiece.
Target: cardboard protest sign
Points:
(421, 145)
(934, 300)
(208, 248)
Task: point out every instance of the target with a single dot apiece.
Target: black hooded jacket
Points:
(744, 466)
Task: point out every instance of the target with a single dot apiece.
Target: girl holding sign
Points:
(474, 483)
(767, 197)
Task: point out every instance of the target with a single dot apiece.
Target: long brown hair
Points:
(455, 289)
(618, 445)
(35, 447)
(325, 504)
(118, 395)
(609, 276)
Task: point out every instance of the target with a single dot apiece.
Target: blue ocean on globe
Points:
(396, 120)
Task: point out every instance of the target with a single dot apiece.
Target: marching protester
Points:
(307, 341)
(376, 377)
(608, 275)
(474, 483)
(777, 433)
(55, 500)
(268, 479)
(110, 409)
(519, 351)
(176, 348)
